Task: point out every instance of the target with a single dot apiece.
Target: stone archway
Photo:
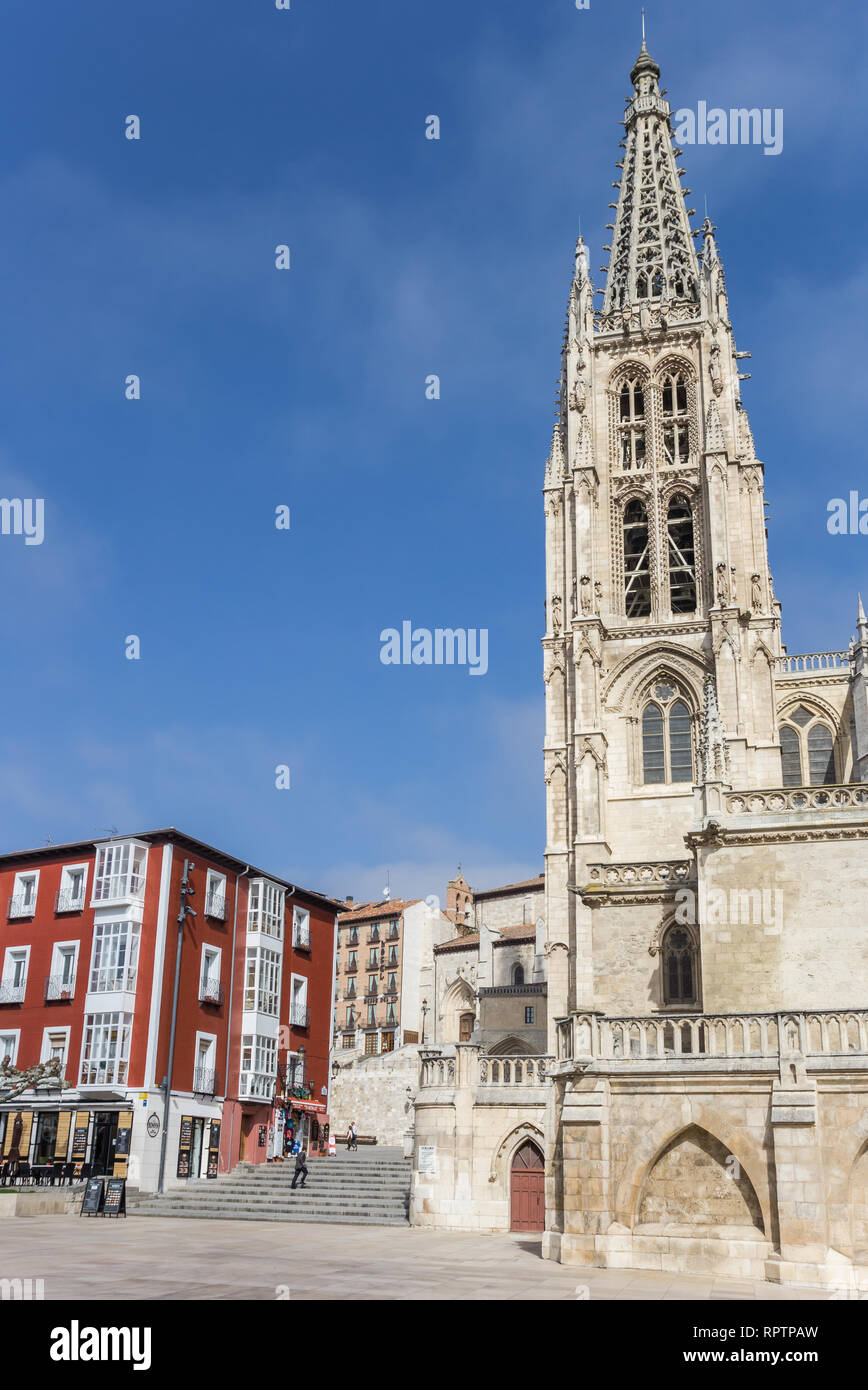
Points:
(696, 1181)
(458, 1001)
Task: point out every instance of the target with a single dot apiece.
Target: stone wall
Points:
(373, 1092)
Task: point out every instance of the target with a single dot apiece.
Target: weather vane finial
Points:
(643, 26)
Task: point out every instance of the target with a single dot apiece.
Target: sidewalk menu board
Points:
(115, 1203)
(91, 1204)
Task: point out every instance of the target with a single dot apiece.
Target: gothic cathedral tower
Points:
(657, 571)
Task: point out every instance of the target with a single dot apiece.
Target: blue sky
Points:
(409, 257)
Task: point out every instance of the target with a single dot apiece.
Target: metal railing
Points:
(205, 1081)
(299, 1016)
(301, 938)
(11, 994)
(211, 991)
(19, 906)
(68, 902)
(215, 906)
(58, 990)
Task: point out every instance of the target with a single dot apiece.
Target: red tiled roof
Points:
(538, 882)
(460, 943)
(363, 912)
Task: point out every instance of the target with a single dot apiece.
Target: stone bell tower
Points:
(657, 573)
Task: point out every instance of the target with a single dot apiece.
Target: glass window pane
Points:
(820, 757)
(653, 766)
(791, 758)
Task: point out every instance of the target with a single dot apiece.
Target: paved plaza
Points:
(172, 1258)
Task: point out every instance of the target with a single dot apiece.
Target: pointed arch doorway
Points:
(527, 1208)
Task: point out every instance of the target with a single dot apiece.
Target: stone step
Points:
(223, 1214)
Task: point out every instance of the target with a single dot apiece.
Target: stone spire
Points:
(556, 462)
(652, 251)
(862, 624)
(713, 750)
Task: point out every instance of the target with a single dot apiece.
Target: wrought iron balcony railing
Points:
(11, 993)
(68, 902)
(299, 1016)
(58, 990)
(205, 1081)
(211, 991)
(21, 907)
(215, 906)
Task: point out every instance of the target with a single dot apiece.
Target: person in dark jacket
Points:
(300, 1169)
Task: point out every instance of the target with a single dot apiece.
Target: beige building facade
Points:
(703, 1100)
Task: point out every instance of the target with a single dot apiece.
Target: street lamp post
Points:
(424, 1012)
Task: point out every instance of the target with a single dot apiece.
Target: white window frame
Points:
(265, 907)
(15, 1035)
(104, 1021)
(56, 971)
(121, 884)
(262, 987)
(258, 1066)
(45, 1054)
(73, 904)
(16, 903)
(211, 1064)
(114, 978)
(13, 954)
(301, 928)
(214, 973)
(215, 889)
(298, 985)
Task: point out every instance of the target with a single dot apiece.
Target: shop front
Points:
(48, 1137)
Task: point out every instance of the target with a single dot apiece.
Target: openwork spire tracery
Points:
(652, 251)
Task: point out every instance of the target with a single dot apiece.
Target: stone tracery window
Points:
(637, 561)
(667, 739)
(682, 556)
(631, 424)
(676, 419)
(679, 961)
(807, 745)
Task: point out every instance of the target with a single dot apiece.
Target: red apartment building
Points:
(88, 959)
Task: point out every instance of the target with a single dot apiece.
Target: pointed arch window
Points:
(518, 975)
(679, 961)
(667, 738)
(807, 746)
(682, 557)
(676, 419)
(631, 424)
(637, 565)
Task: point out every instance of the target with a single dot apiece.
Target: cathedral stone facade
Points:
(703, 1100)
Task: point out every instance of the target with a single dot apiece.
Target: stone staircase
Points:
(371, 1187)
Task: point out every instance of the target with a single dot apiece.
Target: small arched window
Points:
(682, 558)
(807, 745)
(637, 566)
(667, 739)
(518, 974)
(679, 964)
(631, 418)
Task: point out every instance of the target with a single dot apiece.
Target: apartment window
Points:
(392, 984)
(351, 1017)
(210, 986)
(375, 932)
(299, 1014)
(73, 887)
(55, 1043)
(106, 1052)
(14, 983)
(351, 987)
(258, 1066)
(262, 981)
(9, 1046)
(265, 909)
(370, 1044)
(373, 958)
(353, 961)
(372, 1014)
(23, 900)
(301, 928)
(393, 931)
(215, 896)
(388, 1042)
(528, 1013)
(391, 1016)
(349, 1040)
(372, 984)
(353, 937)
(204, 1071)
(120, 872)
(295, 1066)
(60, 984)
(115, 957)
(393, 955)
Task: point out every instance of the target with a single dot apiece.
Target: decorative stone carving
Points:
(556, 614)
(714, 369)
(586, 594)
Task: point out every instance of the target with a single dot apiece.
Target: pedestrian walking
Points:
(300, 1169)
(354, 1136)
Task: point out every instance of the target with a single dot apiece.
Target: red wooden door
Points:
(527, 1204)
